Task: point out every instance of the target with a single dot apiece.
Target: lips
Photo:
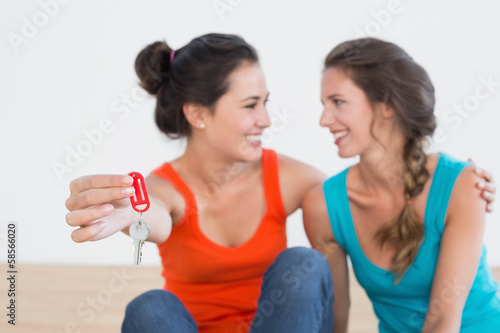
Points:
(254, 139)
(339, 135)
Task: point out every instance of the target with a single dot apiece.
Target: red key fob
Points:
(140, 197)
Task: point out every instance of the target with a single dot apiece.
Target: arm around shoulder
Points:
(296, 180)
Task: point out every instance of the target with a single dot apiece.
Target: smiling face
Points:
(347, 113)
(239, 118)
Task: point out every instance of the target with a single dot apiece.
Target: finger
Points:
(84, 234)
(81, 217)
(99, 181)
(489, 208)
(486, 175)
(489, 197)
(94, 197)
(487, 187)
(473, 163)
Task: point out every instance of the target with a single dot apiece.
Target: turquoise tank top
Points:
(402, 308)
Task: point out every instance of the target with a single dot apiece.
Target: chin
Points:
(248, 153)
(253, 154)
(345, 154)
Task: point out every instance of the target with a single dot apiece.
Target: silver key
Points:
(139, 231)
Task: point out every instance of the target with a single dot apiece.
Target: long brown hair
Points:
(387, 74)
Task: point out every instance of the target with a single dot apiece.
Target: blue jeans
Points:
(296, 297)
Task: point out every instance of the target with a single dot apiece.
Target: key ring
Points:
(140, 196)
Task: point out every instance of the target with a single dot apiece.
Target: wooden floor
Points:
(59, 299)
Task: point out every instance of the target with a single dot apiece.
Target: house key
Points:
(139, 231)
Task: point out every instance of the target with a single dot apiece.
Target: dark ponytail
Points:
(198, 74)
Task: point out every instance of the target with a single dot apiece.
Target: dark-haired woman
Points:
(411, 222)
(218, 212)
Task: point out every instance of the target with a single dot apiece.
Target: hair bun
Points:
(152, 66)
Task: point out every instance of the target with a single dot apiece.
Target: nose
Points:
(327, 118)
(263, 121)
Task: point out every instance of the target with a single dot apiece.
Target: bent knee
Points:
(157, 298)
(305, 270)
(306, 259)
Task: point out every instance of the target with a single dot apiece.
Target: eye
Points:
(338, 102)
(265, 102)
(251, 106)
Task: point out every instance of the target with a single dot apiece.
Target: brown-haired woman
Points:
(412, 223)
(223, 247)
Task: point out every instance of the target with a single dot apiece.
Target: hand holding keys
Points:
(139, 231)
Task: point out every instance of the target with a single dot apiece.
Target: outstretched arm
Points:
(99, 206)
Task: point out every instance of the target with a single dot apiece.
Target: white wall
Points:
(70, 74)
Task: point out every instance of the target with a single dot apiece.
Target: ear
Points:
(196, 114)
(386, 111)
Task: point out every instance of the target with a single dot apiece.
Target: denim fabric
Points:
(296, 297)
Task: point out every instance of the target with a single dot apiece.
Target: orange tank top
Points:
(220, 285)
